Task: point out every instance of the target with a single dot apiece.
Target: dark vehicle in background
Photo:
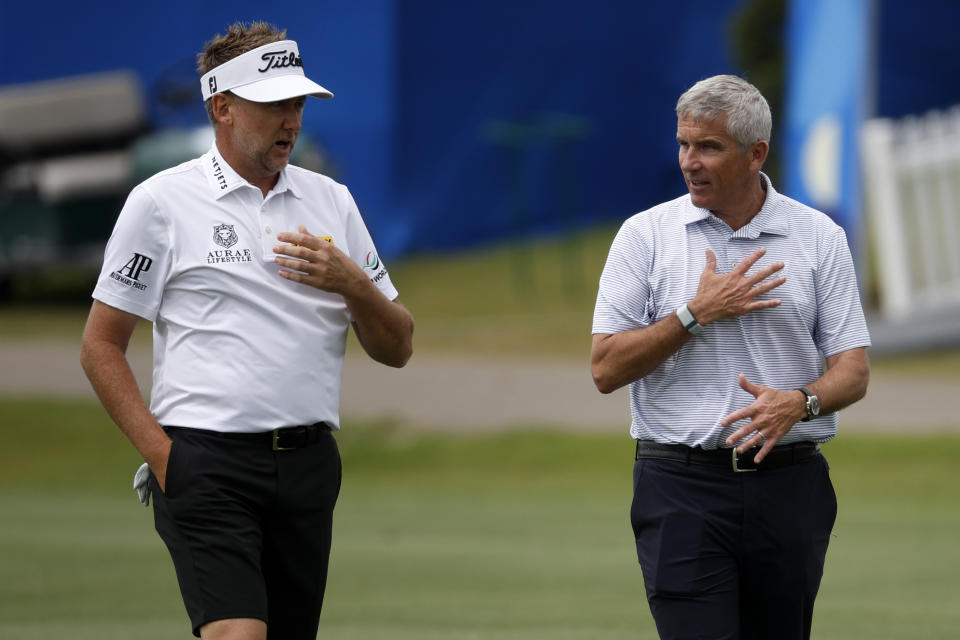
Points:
(70, 151)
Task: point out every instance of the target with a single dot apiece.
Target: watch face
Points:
(813, 405)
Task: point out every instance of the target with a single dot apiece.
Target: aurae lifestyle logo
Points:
(221, 256)
(129, 274)
(225, 236)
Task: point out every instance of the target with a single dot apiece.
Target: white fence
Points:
(911, 178)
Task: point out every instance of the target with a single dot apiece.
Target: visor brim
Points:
(280, 88)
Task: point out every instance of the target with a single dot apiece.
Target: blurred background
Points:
(459, 126)
(493, 148)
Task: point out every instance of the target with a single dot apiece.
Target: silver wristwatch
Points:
(813, 404)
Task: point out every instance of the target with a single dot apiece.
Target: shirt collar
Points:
(286, 184)
(770, 219)
(693, 213)
(767, 219)
(223, 179)
(220, 175)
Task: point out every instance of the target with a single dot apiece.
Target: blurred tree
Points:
(756, 31)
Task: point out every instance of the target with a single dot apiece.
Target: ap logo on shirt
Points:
(224, 235)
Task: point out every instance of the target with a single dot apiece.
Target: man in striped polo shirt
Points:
(733, 314)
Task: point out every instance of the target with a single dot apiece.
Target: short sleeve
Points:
(137, 258)
(841, 325)
(623, 296)
(360, 245)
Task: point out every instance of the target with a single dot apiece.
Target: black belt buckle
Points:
(736, 463)
(276, 442)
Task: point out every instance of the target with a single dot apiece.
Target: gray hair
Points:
(746, 110)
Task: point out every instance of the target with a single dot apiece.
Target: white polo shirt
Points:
(236, 347)
(654, 266)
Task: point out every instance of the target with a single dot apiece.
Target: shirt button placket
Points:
(267, 237)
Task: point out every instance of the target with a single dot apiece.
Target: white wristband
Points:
(688, 321)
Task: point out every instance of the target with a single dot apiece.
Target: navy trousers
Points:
(732, 556)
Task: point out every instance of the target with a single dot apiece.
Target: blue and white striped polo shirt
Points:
(654, 266)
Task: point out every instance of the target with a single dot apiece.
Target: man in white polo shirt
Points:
(719, 309)
(252, 271)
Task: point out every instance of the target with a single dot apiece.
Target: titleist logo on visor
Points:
(280, 60)
(265, 74)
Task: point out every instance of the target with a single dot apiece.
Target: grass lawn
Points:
(521, 535)
(518, 535)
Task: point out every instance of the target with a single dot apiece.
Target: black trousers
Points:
(249, 528)
(732, 556)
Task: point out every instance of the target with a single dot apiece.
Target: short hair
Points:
(238, 39)
(745, 108)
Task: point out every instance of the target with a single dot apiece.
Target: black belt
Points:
(285, 439)
(780, 456)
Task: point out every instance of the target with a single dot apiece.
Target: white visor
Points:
(266, 74)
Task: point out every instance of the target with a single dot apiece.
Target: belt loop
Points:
(637, 454)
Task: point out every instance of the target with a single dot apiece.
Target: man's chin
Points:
(278, 163)
(700, 201)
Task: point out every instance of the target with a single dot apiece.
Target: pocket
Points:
(636, 511)
(829, 492)
(326, 472)
(173, 469)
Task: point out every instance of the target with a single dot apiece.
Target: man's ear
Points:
(222, 108)
(758, 154)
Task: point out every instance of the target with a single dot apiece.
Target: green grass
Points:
(531, 298)
(63, 323)
(519, 535)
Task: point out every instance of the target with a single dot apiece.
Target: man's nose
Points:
(292, 118)
(689, 160)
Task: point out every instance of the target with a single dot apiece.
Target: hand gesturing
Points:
(726, 295)
(316, 262)
(771, 415)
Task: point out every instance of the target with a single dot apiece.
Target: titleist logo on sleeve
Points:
(280, 60)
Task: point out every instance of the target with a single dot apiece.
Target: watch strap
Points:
(688, 320)
(809, 394)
